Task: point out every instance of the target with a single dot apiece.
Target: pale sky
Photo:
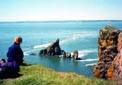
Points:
(40, 10)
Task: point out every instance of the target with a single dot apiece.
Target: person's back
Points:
(15, 52)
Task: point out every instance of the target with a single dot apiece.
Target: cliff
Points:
(117, 62)
(107, 52)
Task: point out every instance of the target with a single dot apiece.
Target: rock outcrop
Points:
(117, 63)
(75, 54)
(107, 51)
(52, 50)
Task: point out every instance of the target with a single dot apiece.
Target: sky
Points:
(45, 10)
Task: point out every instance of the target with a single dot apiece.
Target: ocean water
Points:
(73, 35)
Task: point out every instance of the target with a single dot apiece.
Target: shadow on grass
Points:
(10, 76)
(25, 64)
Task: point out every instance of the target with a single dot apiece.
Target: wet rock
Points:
(75, 54)
(64, 54)
(52, 50)
(68, 55)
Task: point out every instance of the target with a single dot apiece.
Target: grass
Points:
(39, 75)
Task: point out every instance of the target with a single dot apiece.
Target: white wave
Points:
(71, 37)
(31, 52)
(86, 52)
(85, 60)
(26, 54)
(92, 64)
(80, 55)
(79, 35)
(42, 46)
(83, 53)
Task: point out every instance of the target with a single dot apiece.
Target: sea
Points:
(73, 35)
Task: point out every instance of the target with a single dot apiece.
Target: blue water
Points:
(80, 35)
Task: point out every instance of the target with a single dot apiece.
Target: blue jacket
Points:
(15, 53)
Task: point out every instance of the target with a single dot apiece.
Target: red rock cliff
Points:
(107, 51)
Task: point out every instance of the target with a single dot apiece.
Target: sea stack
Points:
(75, 54)
(52, 50)
(107, 51)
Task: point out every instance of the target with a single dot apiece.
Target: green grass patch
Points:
(39, 75)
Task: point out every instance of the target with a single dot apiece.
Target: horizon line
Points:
(55, 21)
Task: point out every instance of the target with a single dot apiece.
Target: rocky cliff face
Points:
(107, 51)
(52, 50)
(117, 63)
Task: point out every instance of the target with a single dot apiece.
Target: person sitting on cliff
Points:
(15, 52)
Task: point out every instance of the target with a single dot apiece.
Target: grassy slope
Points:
(39, 75)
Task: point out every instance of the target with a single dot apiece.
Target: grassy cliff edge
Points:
(39, 75)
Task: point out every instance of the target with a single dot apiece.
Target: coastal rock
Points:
(107, 51)
(52, 50)
(75, 54)
(67, 55)
(117, 63)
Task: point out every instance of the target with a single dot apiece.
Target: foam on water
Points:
(78, 35)
(70, 37)
(26, 54)
(92, 64)
(85, 52)
(42, 46)
(88, 60)
(33, 51)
